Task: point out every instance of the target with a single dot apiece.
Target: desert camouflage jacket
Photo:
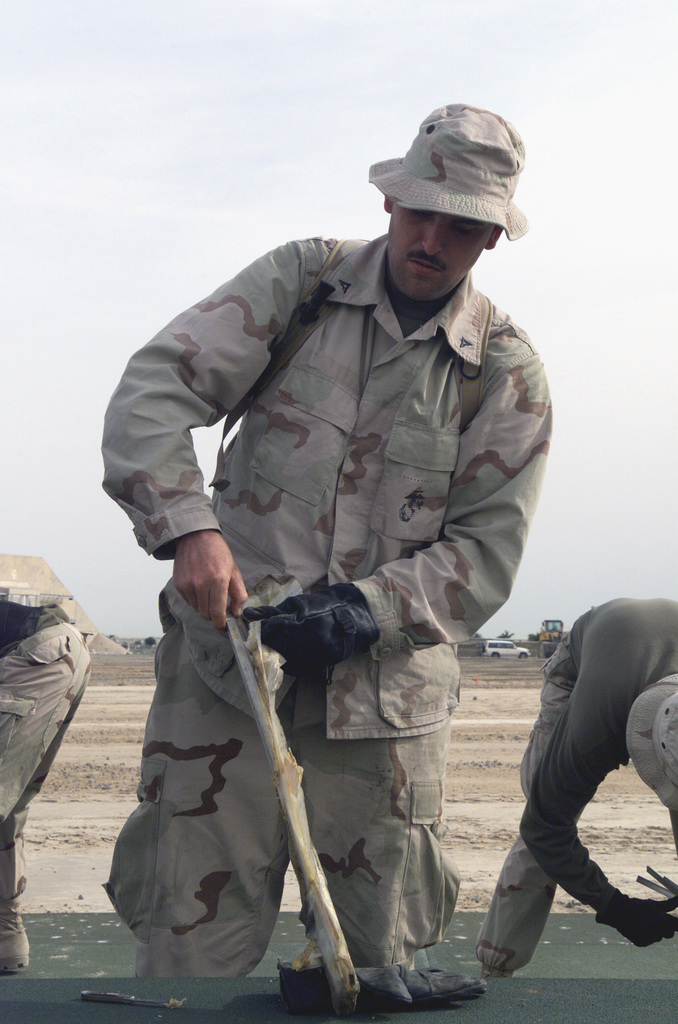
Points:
(349, 466)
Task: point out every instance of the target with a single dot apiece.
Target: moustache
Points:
(432, 261)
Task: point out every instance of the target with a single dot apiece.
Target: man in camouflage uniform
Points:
(44, 669)
(350, 474)
(610, 693)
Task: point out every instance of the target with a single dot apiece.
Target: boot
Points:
(13, 938)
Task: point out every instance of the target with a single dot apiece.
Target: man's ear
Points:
(388, 204)
(494, 237)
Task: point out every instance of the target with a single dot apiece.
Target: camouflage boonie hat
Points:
(464, 161)
(652, 738)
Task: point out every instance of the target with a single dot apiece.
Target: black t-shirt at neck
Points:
(411, 314)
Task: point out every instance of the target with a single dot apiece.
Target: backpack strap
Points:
(470, 389)
(311, 312)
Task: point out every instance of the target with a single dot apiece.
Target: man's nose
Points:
(432, 235)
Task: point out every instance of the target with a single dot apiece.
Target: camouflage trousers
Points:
(42, 681)
(198, 869)
(524, 895)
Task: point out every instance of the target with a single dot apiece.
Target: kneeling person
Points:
(44, 669)
(610, 694)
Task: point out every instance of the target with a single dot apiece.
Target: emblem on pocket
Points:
(413, 502)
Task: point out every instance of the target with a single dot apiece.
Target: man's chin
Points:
(423, 285)
(424, 289)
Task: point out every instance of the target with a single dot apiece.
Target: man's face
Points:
(429, 253)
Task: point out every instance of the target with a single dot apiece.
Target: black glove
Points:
(314, 632)
(381, 988)
(396, 987)
(642, 922)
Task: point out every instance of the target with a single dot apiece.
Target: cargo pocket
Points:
(426, 803)
(210, 649)
(432, 878)
(305, 438)
(131, 886)
(413, 495)
(12, 710)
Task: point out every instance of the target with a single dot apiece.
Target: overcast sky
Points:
(151, 148)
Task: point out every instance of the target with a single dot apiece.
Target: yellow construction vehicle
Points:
(550, 636)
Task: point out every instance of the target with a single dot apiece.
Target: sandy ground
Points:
(73, 824)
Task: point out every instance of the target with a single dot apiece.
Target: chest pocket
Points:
(419, 462)
(304, 443)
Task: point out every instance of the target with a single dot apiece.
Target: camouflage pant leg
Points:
(41, 685)
(524, 895)
(198, 869)
(375, 809)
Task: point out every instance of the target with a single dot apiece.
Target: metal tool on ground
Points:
(662, 884)
(261, 670)
(118, 997)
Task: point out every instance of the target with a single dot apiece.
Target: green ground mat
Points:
(581, 974)
(256, 1001)
(573, 946)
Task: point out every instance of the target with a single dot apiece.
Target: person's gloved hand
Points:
(642, 922)
(314, 632)
(381, 988)
(397, 987)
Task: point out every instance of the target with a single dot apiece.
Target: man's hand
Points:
(206, 576)
(642, 922)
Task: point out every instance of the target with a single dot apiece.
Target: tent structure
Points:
(28, 579)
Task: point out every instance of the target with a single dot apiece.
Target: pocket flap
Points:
(322, 396)
(427, 447)
(44, 649)
(426, 802)
(19, 706)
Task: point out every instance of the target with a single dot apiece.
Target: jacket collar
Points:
(359, 281)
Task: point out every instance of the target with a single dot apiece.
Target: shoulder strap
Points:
(309, 314)
(470, 389)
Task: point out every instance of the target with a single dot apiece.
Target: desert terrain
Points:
(73, 824)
